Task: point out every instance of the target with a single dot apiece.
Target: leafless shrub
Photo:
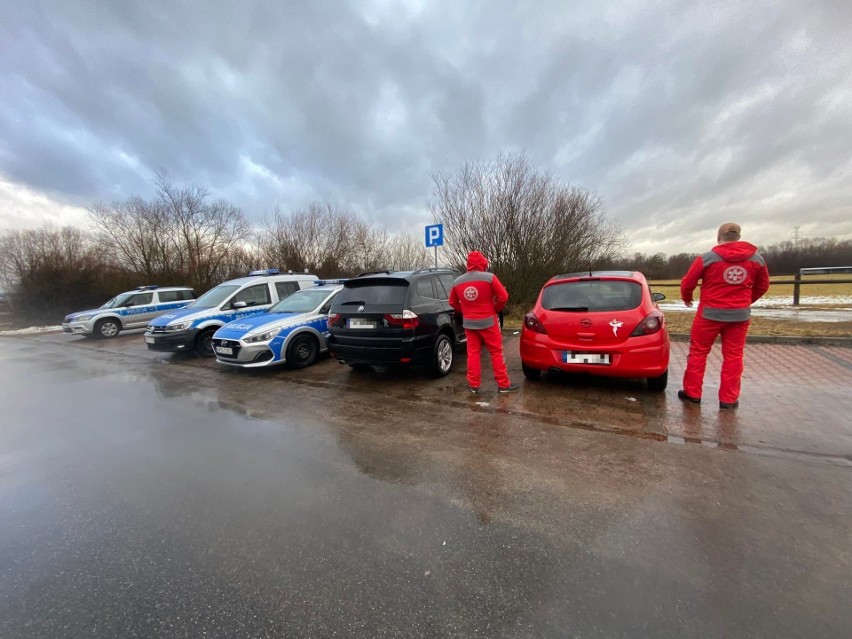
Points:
(528, 224)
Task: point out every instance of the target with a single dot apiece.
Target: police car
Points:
(292, 332)
(192, 328)
(132, 309)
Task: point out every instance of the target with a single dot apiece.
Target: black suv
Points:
(401, 317)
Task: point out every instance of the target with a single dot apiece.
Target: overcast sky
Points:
(679, 114)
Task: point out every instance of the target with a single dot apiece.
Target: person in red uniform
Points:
(733, 276)
(479, 296)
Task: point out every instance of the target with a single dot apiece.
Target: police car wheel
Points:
(107, 328)
(442, 357)
(302, 352)
(204, 343)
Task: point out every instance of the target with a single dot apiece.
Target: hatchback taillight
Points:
(532, 323)
(334, 319)
(650, 325)
(405, 320)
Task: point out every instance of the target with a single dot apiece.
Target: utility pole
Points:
(796, 236)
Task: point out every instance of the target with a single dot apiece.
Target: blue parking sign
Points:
(434, 235)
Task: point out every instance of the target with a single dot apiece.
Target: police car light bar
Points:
(147, 287)
(265, 271)
(325, 282)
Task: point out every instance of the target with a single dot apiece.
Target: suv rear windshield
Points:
(384, 291)
(592, 295)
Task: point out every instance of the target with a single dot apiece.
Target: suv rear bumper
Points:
(365, 353)
(171, 342)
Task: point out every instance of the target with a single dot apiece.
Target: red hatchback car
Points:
(601, 322)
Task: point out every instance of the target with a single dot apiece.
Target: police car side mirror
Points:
(658, 297)
(239, 305)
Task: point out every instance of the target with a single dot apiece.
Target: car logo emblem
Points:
(360, 309)
(615, 326)
(585, 323)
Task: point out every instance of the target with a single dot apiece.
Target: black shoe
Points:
(473, 389)
(511, 388)
(729, 405)
(688, 398)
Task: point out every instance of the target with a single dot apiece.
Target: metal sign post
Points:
(435, 238)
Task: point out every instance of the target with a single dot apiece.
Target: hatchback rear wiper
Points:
(575, 309)
(353, 302)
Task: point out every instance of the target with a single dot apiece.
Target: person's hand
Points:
(689, 304)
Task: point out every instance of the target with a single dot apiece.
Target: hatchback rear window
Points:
(383, 291)
(592, 295)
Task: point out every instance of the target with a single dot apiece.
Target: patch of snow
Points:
(32, 329)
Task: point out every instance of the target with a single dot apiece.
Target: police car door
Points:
(139, 309)
(251, 300)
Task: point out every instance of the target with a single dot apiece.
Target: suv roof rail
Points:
(373, 273)
(147, 287)
(429, 269)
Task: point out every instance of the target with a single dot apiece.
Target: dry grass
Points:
(680, 322)
(784, 292)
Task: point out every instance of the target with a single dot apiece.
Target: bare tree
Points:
(407, 252)
(178, 238)
(50, 270)
(528, 224)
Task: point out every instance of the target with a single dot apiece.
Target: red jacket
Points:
(478, 294)
(733, 276)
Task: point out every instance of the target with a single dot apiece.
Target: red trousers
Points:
(701, 340)
(493, 340)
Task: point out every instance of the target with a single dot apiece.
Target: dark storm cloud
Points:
(678, 113)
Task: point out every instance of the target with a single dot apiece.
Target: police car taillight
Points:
(405, 320)
(650, 325)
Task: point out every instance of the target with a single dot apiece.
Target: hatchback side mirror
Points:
(658, 297)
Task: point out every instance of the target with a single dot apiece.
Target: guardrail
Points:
(797, 280)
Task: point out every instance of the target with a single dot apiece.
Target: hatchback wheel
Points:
(530, 373)
(658, 384)
(302, 352)
(442, 357)
(107, 328)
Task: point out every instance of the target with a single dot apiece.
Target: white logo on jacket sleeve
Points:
(615, 326)
(734, 275)
(470, 293)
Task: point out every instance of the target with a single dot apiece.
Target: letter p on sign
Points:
(434, 235)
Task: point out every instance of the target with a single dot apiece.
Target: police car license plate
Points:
(571, 357)
(149, 340)
(361, 323)
(224, 350)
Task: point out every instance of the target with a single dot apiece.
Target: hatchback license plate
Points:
(149, 340)
(361, 323)
(224, 350)
(570, 357)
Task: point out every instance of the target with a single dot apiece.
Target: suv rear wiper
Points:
(353, 302)
(575, 309)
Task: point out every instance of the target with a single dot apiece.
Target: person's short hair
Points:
(729, 232)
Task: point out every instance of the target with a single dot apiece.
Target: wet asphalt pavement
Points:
(150, 495)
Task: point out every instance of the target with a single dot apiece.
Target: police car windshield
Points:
(118, 300)
(215, 296)
(300, 302)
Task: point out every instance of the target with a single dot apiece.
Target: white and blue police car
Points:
(131, 309)
(192, 328)
(292, 332)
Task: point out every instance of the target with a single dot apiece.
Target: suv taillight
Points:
(650, 325)
(406, 319)
(532, 323)
(334, 319)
